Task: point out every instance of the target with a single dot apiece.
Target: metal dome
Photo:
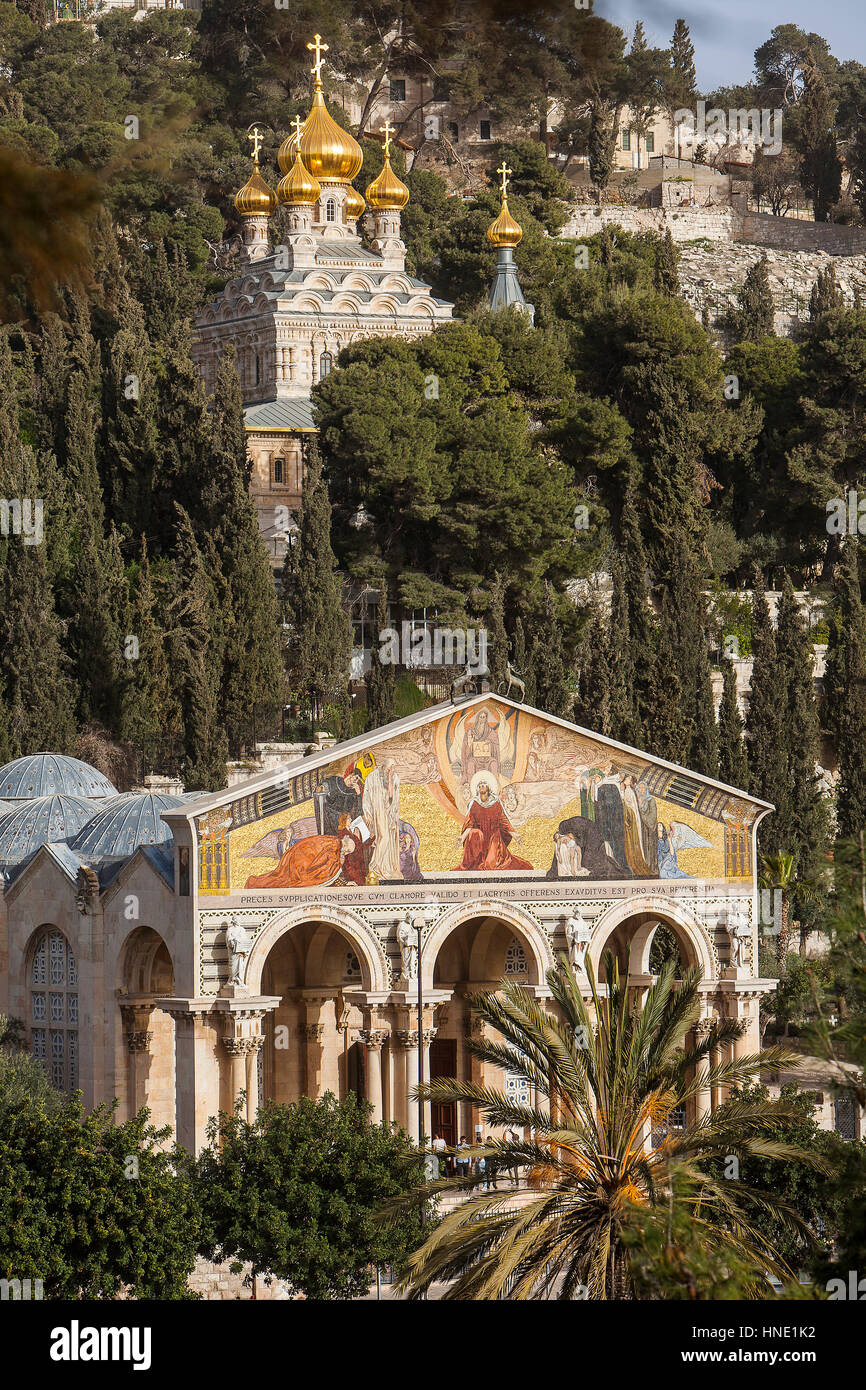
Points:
(46, 820)
(51, 774)
(118, 829)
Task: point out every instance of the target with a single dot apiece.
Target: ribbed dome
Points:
(47, 820)
(504, 231)
(256, 198)
(387, 191)
(299, 188)
(329, 152)
(355, 205)
(129, 821)
(44, 774)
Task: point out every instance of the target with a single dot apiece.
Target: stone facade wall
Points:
(792, 234)
(216, 1281)
(684, 225)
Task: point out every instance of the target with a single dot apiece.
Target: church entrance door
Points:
(443, 1062)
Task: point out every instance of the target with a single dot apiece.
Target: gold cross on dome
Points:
(319, 48)
(504, 171)
(257, 142)
(296, 125)
(387, 130)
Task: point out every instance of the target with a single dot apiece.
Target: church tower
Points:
(294, 305)
(505, 234)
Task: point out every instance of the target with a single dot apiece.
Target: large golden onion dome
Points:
(328, 151)
(299, 188)
(256, 198)
(504, 231)
(387, 191)
(355, 205)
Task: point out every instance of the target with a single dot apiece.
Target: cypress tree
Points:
(322, 637)
(826, 294)
(668, 728)
(845, 693)
(806, 819)
(382, 677)
(53, 376)
(640, 619)
(36, 694)
(665, 273)
(621, 717)
(753, 318)
(820, 166)
(149, 716)
(764, 734)
(548, 663)
(592, 705)
(497, 639)
(194, 682)
(733, 764)
(129, 444)
(184, 438)
(243, 580)
(521, 661)
(684, 643)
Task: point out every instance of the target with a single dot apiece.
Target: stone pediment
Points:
(481, 791)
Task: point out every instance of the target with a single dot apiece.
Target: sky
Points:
(726, 33)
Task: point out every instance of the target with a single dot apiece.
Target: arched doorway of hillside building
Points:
(144, 1038)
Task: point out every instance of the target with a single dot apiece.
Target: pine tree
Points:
(323, 642)
(195, 684)
(754, 317)
(764, 734)
(548, 663)
(382, 677)
(826, 294)
(242, 576)
(733, 764)
(845, 694)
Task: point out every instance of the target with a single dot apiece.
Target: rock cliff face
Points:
(718, 248)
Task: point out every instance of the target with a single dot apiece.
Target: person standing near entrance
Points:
(512, 1137)
(461, 1159)
(439, 1146)
(489, 1167)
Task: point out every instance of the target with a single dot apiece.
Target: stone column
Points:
(373, 1040)
(429, 1035)
(194, 1102)
(703, 1098)
(252, 1075)
(313, 1033)
(237, 1049)
(136, 1021)
(409, 1042)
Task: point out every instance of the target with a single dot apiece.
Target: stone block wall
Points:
(792, 234)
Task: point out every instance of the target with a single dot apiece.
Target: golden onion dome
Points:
(355, 205)
(299, 188)
(256, 198)
(328, 151)
(504, 231)
(387, 191)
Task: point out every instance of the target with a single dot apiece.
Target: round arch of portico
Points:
(508, 913)
(655, 909)
(371, 956)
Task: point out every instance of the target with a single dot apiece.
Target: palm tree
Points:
(602, 1151)
(779, 873)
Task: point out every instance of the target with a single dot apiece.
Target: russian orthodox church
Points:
(176, 951)
(295, 305)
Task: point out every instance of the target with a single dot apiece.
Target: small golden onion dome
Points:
(289, 148)
(355, 205)
(256, 198)
(328, 151)
(299, 188)
(504, 231)
(387, 191)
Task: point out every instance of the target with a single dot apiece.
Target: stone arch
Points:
(525, 927)
(50, 991)
(144, 963)
(373, 962)
(647, 911)
(143, 1035)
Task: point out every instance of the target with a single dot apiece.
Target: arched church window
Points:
(515, 959)
(54, 1009)
(279, 470)
(331, 210)
(326, 362)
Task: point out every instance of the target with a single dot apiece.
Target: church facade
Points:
(269, 941)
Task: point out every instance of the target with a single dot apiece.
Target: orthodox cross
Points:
(296, 126)
(504, 171)
(319, 48)
(387, 130)
(257, 142)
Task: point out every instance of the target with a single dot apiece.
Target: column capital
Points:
(408, 1038)
(313, 1032)
(373, 1038)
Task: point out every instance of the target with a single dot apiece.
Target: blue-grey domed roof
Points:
(123, 824)
(46, 820)
(49, 774)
